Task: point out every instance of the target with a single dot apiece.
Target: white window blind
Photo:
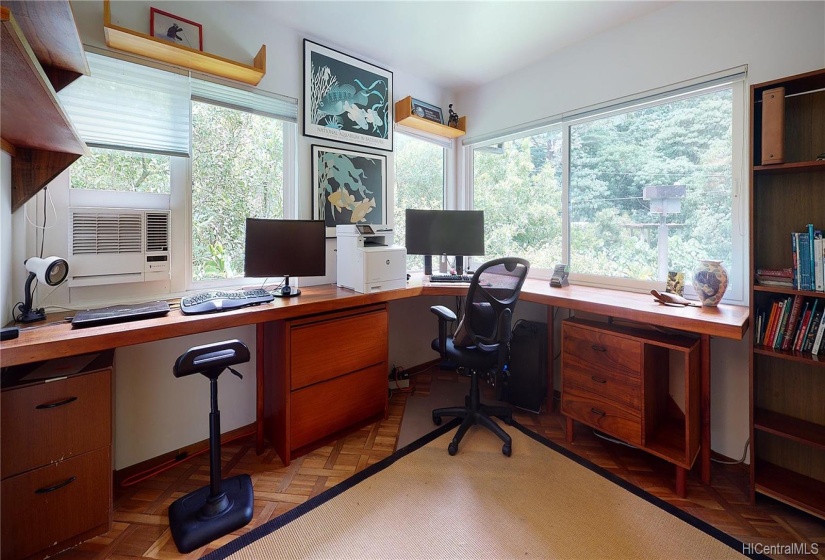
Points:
(234, 97)
(127, 106)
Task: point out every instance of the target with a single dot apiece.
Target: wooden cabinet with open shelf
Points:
(786, 386)
(616, 379)
(405, 116)
(41, 54)
(145, 45)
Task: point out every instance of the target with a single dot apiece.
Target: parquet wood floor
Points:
(141, 530)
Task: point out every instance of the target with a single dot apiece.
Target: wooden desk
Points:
(61, 339)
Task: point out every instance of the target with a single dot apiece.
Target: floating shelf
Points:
(405, 116)
(34, 128)
(145, 45)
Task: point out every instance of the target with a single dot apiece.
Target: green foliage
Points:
(419, 184)
(518, 185)
(237, 172)
(114, 170)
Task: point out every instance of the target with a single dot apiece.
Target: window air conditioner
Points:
(118, 245)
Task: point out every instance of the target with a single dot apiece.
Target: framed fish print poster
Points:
(349, 187)
(346, 99)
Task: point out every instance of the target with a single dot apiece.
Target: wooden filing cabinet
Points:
(322, 374)
(56, 462)
(616, 379)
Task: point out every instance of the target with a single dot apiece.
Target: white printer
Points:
(367, 259)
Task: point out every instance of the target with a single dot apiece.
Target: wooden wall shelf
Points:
(34, 128)
(405, 116)
(145, 45)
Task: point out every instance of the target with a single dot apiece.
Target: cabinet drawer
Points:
(602, 414)
(325, 408)
(589, 349)
(65, 418)
(32, 520)
(327, 349)
(615, 387)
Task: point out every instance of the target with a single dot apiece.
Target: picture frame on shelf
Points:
(349, 187)
(175, 29)
(346, 99)
(426, 111)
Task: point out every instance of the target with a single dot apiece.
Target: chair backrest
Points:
(491, 299)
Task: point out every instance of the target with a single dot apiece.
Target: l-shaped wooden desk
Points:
(61, 340)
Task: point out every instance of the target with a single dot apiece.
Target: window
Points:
(419, 184)
(237, 172)
(651, 188)
(223, 153)
(518, 185)
(623, 194)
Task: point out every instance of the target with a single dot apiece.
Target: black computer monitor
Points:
(285, 248)
(458, 233)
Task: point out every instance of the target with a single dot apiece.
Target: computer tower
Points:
(527, 380)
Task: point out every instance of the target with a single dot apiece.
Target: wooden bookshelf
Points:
(35, 129)
(786, 387)
(405, 116)
(145, 45)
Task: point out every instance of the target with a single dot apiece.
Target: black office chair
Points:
(216, 510)
(481, 342)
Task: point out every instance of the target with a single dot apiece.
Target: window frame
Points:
(735, 80)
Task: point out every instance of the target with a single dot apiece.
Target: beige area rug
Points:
(539, 503)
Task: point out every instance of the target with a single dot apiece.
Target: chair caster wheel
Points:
(452, 449)
(436, 420)
(507, 449)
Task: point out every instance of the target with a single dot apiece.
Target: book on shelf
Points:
(774, 281)
(803, 328)
(819, 262)
(795, 260)
(778, 272)
(816, 318)
(803, 257)
(793, 321)
(769, 326)
(819, 347)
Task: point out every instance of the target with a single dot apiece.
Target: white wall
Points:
(5, 240)
(682, 41)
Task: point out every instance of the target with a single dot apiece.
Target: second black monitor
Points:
(445, 232)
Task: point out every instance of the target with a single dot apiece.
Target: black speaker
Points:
(527, 382)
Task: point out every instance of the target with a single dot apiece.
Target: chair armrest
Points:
(444, 313)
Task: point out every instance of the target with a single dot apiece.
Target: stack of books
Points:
(775, 277)
(808, 250)
(795, 323)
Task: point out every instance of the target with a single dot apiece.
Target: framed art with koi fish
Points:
(349, 187)
(346, 99)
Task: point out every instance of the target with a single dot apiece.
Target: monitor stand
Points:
(286, 290)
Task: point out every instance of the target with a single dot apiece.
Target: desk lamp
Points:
(51, 271)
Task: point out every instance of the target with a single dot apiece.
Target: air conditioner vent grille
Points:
(157, 231)
(105, 233)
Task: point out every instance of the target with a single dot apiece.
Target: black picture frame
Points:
(346, 99)
(348, 187)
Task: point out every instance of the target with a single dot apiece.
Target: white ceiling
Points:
(452, 44)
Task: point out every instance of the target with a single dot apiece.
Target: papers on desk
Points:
(60, 367)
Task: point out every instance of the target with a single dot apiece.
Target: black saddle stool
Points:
(213, 511)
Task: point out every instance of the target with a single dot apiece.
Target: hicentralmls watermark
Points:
(795, 549)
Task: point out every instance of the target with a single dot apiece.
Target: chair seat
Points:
(470, 357)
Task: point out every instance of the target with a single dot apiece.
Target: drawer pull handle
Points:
(56, 404)
(597, 412)
(598, 348)
(598, 379)
(56, 486)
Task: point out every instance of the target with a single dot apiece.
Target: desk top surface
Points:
(56, 338)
